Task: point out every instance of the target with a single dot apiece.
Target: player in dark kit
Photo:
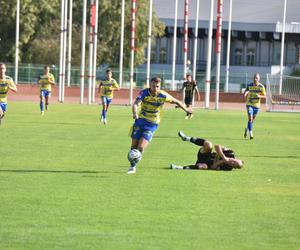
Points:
(189, 87)
(223, 159)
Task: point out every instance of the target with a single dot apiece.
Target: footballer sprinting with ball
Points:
(146, 122)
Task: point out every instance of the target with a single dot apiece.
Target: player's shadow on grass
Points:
(57, 171)
(271, 156)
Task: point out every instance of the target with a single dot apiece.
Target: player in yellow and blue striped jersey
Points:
(106, 89)
(253, 93)
(45, 81)
(146, 122)
(6, 84)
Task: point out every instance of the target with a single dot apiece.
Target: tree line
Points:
(40, 31)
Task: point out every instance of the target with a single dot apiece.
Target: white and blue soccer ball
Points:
(134, 156)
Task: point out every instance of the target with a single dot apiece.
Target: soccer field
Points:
(64, 183)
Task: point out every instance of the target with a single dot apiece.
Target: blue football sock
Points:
(42, 106)
(250, 124)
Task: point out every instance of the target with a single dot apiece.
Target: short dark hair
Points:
(46, 66)
(155, 79)
(108, 70)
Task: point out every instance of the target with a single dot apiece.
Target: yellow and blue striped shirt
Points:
(107, 87)
(5, 83)
(44, 81)
(254, 90)
(152, 105)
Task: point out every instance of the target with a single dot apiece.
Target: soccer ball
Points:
(134, 156)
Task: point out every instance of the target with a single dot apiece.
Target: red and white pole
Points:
(218, 51)
(208, 62)
(133, 13)
(185, 44)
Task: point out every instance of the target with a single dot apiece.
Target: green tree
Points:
(40, 31)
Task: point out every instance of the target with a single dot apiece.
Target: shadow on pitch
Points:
(58, 171)
(271, 156)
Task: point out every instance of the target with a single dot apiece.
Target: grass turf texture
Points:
(64, 183)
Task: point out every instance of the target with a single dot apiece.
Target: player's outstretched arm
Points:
(180, 104)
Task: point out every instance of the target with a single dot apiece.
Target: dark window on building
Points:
(238, 55)
(250, 57)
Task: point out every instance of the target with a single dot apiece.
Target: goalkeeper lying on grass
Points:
(223, 159)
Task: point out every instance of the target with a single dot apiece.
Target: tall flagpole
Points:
(62, 13)
(196, 42)
(17, 42)
(82, 67)
(149, 42)
(91, 45)
(64, 51)
(133, 12)
(208, 62)
(122, 44)
(70, 43)
(94, 75)
(282, 47)
(174, 45)
(218, 51)
(185, 43)
(228, 47)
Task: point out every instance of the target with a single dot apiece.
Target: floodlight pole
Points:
(228, 47)
(17, 41)
(149, 42)
(208, 62)
(174, 46)
(133, 13)
(282, 47)
(218, 51)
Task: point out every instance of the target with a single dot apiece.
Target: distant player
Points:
(222, 159)
(106, 89)
(6, 84)
(146, 122)
(253, 93)
(189, 87)
(45, 81)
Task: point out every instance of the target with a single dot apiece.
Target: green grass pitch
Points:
(64, 184)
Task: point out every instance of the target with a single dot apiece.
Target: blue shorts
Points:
(45, 93)
(142, 128)
(3, 107)
(252, 111)
(106, 100)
